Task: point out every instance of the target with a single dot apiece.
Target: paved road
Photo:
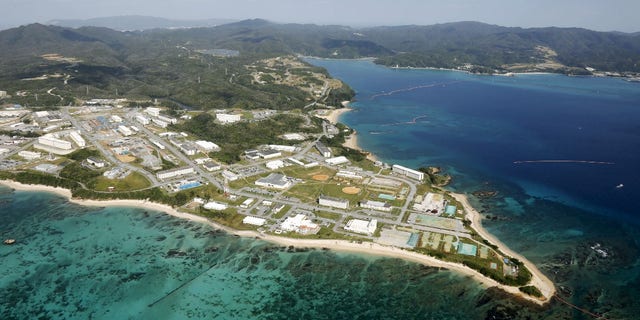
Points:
(278, 196)
(106, 153)
(183, 157)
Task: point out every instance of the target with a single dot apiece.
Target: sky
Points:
(600, 15)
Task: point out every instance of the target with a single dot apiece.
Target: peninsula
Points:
(308, 191)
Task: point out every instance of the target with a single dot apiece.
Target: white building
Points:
(157, 144)
(275, 181)
(269, 154)
(296, 161)
(50, 141)
(362, 226)
(152, 111)
(30, 155)
(432, 203)
(300, 223)
(207, 146)
(214, 205)
(12, 113)
(254, 221)
(3, 94)
(376, 205)
(348, 174)
(293, 136)
(77, 138)
(98, 163)
(324, 151)
(282, 148)
(160, 123)
(414, 174)
(337, 160)
(125, 131)
(168, 119)
(228, 118)
(188, 148)
(277, 208)
(142, 119)
(230, 176)
(211, 166)
(174, 172)
(333, 202)
(201, 160)
(311, 164)
(275, 164)
(245, 204)
(116, 118)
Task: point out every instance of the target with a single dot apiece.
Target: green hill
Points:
(183, 65)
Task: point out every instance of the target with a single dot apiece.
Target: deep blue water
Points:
(480, 125)
(476, 127)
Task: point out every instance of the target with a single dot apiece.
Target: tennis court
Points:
(467, 249)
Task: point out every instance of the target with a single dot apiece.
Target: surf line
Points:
(564, 161)
(413, 121)
(412, 88)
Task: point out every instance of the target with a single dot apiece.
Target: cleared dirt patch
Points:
(126, 158)
(351, 190)
(320, 177)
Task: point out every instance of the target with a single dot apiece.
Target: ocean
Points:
(562, 153)
(76, 262)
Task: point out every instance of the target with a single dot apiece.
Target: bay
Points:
(490, 133)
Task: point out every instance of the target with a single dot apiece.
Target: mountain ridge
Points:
(137, 22)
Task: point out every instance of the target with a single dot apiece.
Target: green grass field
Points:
(328, 215)
(134, 181)
(307, 173)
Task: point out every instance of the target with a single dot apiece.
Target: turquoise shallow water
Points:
(75, 262)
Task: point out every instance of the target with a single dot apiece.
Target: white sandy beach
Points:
(538, 279)
(352, 140)
(333, 116)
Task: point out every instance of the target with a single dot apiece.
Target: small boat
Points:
(620, 186)
(9, 241)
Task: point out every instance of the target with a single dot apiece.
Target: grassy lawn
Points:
(367, 165)
(423, 188)
(307, 192)
(334, 190)
(228, 218)
(326, 233)
(328, 215)
(307, 173)
(246, 182)
(281, 213)
(134, 181)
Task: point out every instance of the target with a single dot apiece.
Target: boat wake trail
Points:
(413, 121)
(564, 161)
(412, 88)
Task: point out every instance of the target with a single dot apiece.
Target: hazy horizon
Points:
(615, 15)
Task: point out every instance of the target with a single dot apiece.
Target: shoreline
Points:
(352, 140)
(538, 279)
(333, 116)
